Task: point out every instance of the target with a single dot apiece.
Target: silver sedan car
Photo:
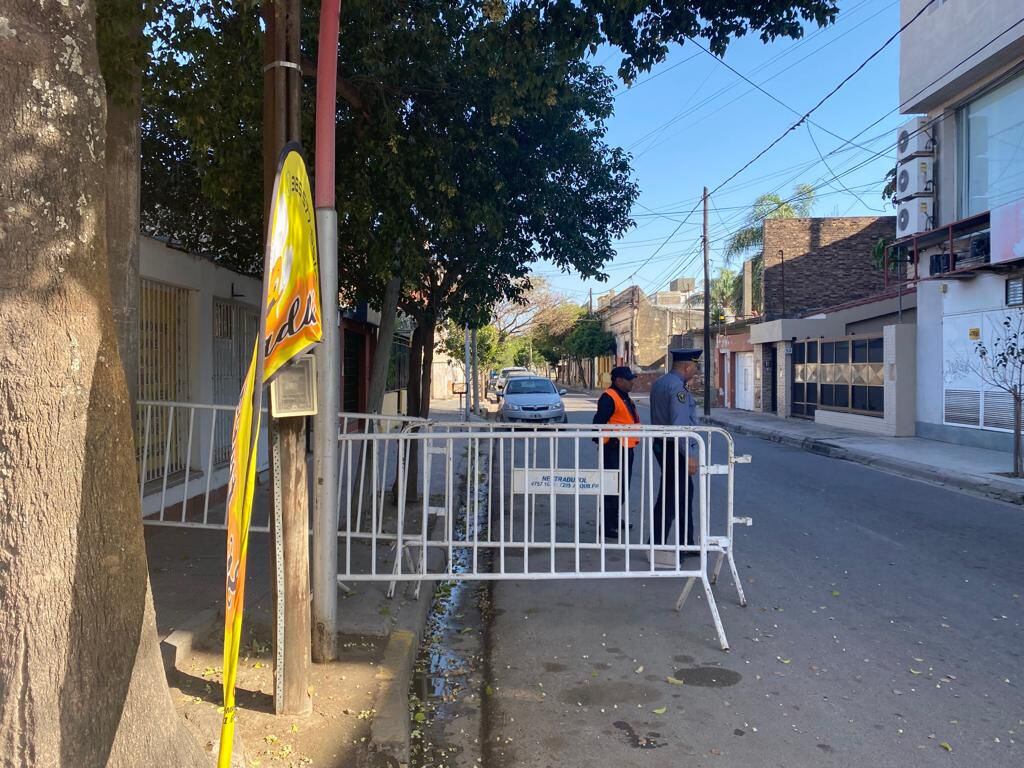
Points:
(531, 399)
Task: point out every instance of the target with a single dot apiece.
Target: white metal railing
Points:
(531, 506)
(183, 467)
(185, 483)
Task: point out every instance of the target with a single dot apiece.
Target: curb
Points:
(990, 488)
(390, 738)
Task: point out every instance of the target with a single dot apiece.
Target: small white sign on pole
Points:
(586, 482)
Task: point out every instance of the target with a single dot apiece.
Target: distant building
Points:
(644, 326)
(813, 268)
(813, 263)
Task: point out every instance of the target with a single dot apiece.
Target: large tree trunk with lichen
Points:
(81, 678)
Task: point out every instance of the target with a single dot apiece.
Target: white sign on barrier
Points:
(566, 481)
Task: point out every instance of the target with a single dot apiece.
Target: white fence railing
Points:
(183, 460)
(533, 505)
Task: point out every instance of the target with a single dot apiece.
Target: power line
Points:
(827, 96)
(682, 114)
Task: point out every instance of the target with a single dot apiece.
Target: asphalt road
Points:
(883, 629)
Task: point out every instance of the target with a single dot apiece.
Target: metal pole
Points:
(467, 366)
(707, 313)
(476, 376)
(325, 451)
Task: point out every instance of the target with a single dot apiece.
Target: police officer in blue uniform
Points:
(672, 404)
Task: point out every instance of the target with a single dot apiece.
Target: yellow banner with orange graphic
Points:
(289, 325)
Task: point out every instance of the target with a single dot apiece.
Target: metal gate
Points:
(530, 505)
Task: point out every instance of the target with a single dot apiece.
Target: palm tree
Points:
(751, 236)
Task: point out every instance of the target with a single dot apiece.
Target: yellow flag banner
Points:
(289, 325)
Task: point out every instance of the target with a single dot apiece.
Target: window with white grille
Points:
(164, 375)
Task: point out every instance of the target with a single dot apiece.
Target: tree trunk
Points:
(426, 376)
(415, 370)
(81, 678)
(1018, 459)
(122, 177)
(385, 339)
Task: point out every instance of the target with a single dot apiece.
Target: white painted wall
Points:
(942, 303)
(206, 281)
(945, 34)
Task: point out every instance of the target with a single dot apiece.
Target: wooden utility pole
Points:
(707, 313)
(282, 84)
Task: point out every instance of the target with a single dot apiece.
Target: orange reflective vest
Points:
(621, 415)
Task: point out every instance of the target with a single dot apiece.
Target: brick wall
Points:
(823, 262)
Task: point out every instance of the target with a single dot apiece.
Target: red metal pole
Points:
(326, 102)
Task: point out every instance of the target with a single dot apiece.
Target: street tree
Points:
(81, 676)
(750, 238)
(536, 305)
(999, 363)
(726, 293)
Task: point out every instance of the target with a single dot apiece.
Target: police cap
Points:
(685, 355)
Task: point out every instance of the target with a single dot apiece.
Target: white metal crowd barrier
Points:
(532, 508)
(722, 522)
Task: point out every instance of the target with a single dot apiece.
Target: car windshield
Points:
(530, 387)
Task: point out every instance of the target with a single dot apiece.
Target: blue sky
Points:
(691, 122)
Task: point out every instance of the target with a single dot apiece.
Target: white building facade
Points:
(197, 325)
(961, 225)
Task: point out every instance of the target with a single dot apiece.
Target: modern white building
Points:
(961, 220)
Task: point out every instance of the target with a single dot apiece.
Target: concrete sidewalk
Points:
(972, 470)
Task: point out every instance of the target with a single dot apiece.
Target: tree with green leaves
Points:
(726, 294)
(750, 238)
(999, 364)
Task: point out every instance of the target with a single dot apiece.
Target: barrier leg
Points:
(713, 606)
(718, 568)
(736, 579)
(684, 594)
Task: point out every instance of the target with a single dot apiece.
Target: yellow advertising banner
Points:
(289, 325)
(291, 279)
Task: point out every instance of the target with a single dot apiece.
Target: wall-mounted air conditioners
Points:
(914, 139)
(914, 216)
(914, 178)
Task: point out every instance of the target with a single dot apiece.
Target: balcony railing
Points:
(952, 250)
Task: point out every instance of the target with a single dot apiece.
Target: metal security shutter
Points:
(235, 327)
(164, 374)
(999, 410)
(963, 407)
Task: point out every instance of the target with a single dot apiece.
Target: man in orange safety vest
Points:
(616, 407)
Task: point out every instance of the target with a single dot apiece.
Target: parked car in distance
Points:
(505, 374)
(531, 399)
(491, 385)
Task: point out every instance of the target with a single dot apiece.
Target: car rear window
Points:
(529, 387)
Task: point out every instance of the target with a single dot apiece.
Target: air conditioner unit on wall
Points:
(914, 216)
(914, 139)
(914, 178)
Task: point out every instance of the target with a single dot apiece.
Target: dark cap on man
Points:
(685, 355)
(623, 372)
